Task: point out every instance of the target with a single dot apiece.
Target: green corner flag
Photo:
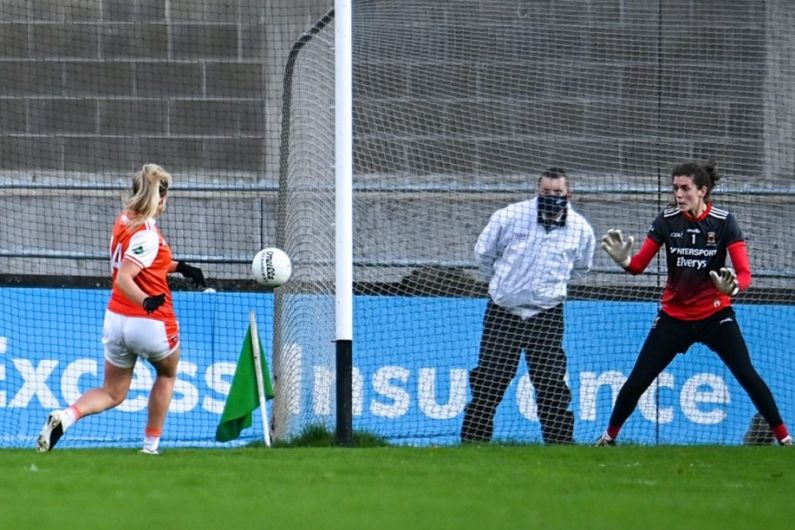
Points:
(243, 396)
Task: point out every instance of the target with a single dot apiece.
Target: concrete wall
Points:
(96, 87)
(470, 95)
(599, 86)
(779, 108)
(462, 94)
(90, 90)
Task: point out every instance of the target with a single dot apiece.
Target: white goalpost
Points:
(343, 157)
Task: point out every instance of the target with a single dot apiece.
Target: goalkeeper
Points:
(528, 251)
(696, 301)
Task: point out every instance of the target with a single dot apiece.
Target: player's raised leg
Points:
(112, 392)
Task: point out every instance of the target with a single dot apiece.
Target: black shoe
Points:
(50, 433)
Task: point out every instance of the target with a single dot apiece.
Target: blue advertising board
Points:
(411, 357)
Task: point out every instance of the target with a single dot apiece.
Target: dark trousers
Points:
(505, 336)
(669, 336)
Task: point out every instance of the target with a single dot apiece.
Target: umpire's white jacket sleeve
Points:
(584, 260)
(487, 248)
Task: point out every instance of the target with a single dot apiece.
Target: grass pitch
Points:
(478, 487)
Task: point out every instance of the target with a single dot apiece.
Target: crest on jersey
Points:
(711, 238)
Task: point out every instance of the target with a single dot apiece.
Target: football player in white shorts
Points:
(140, 319)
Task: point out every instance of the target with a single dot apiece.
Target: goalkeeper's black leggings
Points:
(669, 336)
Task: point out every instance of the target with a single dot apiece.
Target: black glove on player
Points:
(151, 303)
(192, 273)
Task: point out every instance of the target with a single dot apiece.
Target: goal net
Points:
(90, 92)
(458, 108)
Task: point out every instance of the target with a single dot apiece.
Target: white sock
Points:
(68, 417)
(151, 443)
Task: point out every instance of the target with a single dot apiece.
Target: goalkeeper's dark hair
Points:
(703, 173)
(149, 186)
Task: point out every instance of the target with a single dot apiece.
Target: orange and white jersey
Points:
(146, 247)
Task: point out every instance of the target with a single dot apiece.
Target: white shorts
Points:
(126, 338)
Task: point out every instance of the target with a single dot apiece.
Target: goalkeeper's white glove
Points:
(617, 247)
(725, 281)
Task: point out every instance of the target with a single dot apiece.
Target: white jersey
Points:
(528, 266)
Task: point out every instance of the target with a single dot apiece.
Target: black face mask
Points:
(551, 205)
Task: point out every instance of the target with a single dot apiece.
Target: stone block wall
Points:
(94, 88)
(462, 93)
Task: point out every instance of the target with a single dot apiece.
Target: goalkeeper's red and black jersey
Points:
(693, 247)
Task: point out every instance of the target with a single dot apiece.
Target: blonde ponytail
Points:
(149, 186)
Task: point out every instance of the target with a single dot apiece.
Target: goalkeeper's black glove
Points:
(151, 303)
(192, 273)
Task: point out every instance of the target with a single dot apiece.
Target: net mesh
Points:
(91, 91)
(458, 107)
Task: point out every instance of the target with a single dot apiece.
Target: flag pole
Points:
(252, 321)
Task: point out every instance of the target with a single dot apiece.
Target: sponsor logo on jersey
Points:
(138, 250)
(677, 235)
(693, 258)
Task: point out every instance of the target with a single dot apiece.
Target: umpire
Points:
(528, 252)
